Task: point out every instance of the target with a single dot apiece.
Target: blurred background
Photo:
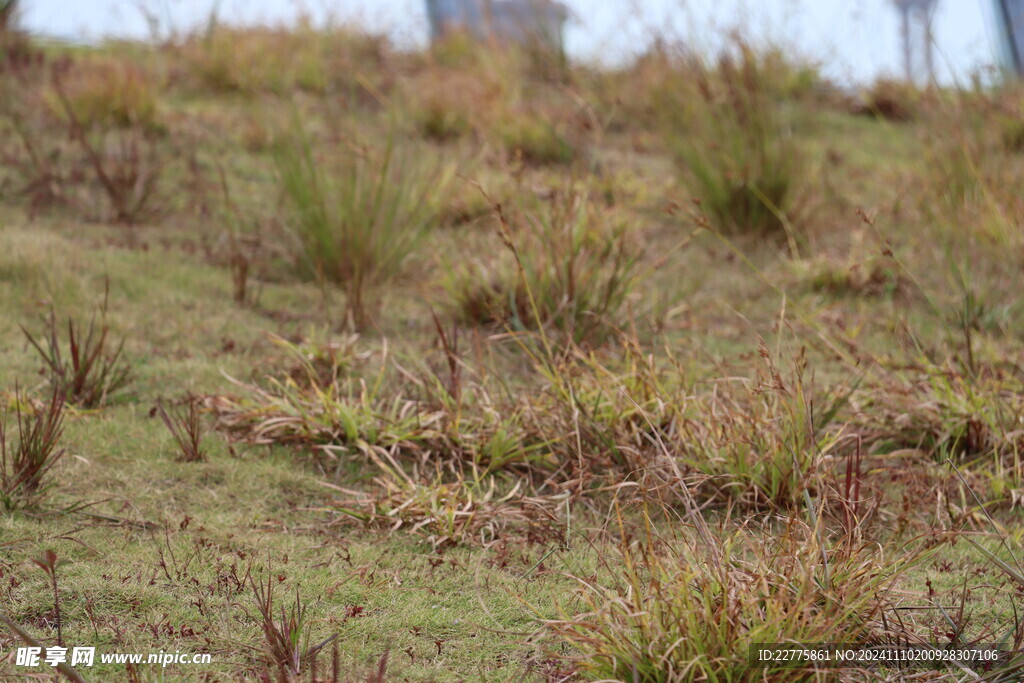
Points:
(855, 41)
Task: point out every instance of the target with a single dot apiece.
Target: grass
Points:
(729, 135)
(185, 425)
(107, 160)
(570, 268)
(90, 370)
(265, 59)
(25, 463)
(680, 611)
(359, 221)
(111, 94)
(529, 138)
(569, 426)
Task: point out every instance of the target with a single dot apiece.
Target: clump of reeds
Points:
(732, 142)
(360, 216)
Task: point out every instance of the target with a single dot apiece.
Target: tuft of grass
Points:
(186, 426)
(862, 273)
(108, 94)
(359, 218)
(91, 369)
(263, 59)
(35, 159)
(530, 138)
(440, 120)
(90, 145)
(25, 464)
(733, 145)
(449, 513)
(569, 267)
(943, 413)
(286, 633)
(768, 443)
(746, 444)
(972, 171)
(890, 100)
(1013, 135)
(676, 610)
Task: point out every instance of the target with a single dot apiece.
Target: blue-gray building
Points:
(1010, 18)
(518, 21)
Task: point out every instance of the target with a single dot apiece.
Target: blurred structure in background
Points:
(1010, 21)
(8, 14)
(916, 20)
(533, 22)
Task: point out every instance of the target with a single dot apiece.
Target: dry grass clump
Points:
(457, 50)
(516, 62)
(533, 139)
(681, 609)
(449, 104)
(437, 120)
(942, 412)
(763, 445)
(110, 93)
(570, 268)
(494, 93)
(286, 651)
(28, 163)
(184, 422)
(964, 158)
(874, 277)
(633, 98)
(733, 144)
(1013, 136)
(891, 100)
(106, 159)
(972, 171)
(345, 417)
(863, 272)
(752, 445)
(439, 446)
(442, 446)
(255, 60)
(455, 511)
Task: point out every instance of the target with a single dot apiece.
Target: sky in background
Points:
(855, 40)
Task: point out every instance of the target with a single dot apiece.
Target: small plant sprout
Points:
(48, 563)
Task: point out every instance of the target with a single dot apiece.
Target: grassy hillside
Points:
(336, 362)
